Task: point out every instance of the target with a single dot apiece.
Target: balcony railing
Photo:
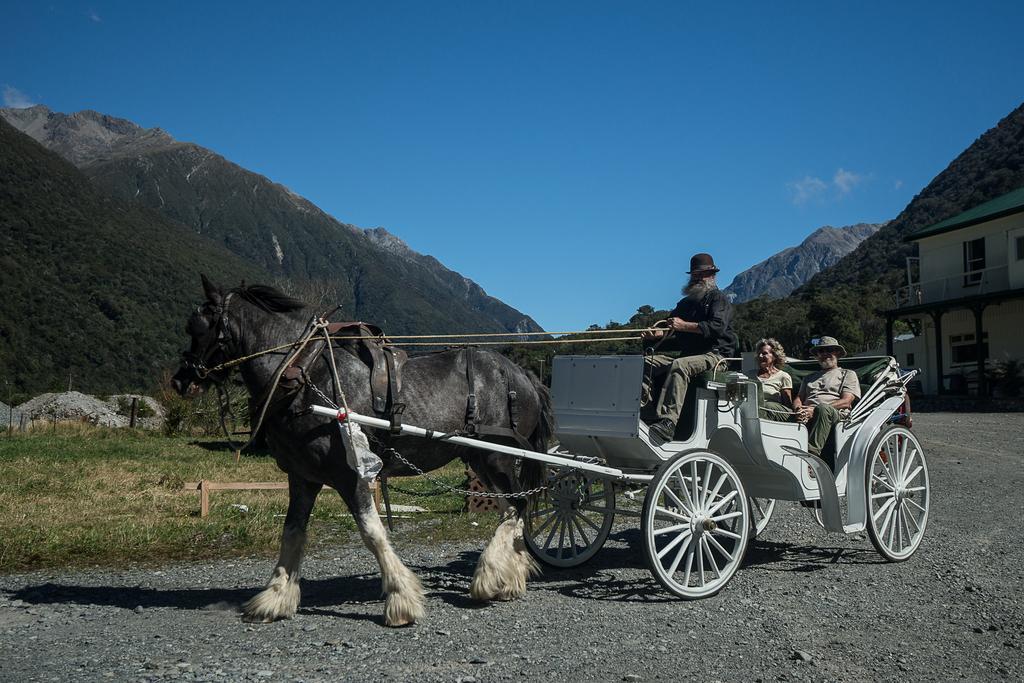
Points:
(968, 283)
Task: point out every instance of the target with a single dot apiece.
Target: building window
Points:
(964, 350)
(974, 261)
(910, 360)
(1020, 248)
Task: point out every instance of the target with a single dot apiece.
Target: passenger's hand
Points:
(676, 324)
(805, 414)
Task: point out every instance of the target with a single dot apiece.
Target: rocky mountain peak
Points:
(87, 136)
(780, 274)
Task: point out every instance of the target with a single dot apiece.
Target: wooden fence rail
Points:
(205, 487)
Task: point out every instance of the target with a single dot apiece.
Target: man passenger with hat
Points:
(826, 396)
(700, 329)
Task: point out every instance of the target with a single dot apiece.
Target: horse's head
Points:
(211, 337)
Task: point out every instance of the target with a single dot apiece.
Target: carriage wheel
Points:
(761, 510)
(696, 524)
(898, 494)
(570, 521)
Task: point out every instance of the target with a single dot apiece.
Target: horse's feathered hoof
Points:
(404, 603)
(279, 600)
(504, 566)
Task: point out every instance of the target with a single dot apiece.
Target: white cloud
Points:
(15, 99)
(95, 17)
(811, 188)
(807, 189)
(898, 184)
(845, 181)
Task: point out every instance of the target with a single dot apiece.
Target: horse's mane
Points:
(269, 299)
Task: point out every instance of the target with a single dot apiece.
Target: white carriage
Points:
(713, 489)
(710, 491)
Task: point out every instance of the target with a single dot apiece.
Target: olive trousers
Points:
(674, 375)
(825, 418)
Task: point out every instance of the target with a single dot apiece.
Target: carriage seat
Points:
(867, 369)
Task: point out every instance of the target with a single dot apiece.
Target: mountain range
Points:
(778, 275)
(371, 273)
(105, 227)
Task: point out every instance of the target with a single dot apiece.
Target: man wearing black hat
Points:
(700, 329)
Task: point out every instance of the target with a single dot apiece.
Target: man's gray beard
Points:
(697, 290)
(828, 363)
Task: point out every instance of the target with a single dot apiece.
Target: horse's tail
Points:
(532, 472)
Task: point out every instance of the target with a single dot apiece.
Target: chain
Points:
(464, 492)
(441, 486)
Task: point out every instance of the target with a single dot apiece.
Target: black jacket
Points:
(713, 314)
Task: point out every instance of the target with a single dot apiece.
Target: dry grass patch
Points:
(77, 495)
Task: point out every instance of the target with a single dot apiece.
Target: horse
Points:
(248, 325)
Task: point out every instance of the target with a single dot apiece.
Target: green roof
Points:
(1006, 205)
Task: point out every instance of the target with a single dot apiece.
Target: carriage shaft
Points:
(410, 430)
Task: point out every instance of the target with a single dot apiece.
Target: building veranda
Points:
(965, 298)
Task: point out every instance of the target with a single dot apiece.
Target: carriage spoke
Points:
(572, 535)
(711, 560)
(561, 538)
(679, 555)
(707, 490)
(883, 494)
(915, 504)
(541, 513)
(725, 532)
(883, 482)
(888, 504)
(589, 522)
(539, 530)
(910, 516)
(890, 507)
(583, 534)
(914, 489)
(670, 514)
(885, 458)
(673, 543)
(892, 520)
(694, 482)
(758, 508)
(700, 562)
(913, 475)
(728, 515)
(671, 529)
(721, 503)
(718, 546)
(689, 566)
(684, 486)
(718, 487)
(906, 460)
(675, 499)
(551, 535)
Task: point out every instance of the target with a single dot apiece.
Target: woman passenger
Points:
(776, 383)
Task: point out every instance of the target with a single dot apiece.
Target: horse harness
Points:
(368, 343)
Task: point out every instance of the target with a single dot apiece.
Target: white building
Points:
(965, 297)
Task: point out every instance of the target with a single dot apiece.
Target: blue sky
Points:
(568, 157)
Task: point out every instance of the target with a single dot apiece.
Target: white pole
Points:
(340, 415)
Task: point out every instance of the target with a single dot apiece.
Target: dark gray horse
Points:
(248, 320)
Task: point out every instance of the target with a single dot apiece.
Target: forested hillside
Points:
(94, 289)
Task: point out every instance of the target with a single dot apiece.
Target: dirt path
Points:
(806, 605)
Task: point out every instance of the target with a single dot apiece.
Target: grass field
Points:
(79, 496)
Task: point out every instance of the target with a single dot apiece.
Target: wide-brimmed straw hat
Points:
(702, 263)
(824, 343)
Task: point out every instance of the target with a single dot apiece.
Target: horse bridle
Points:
(196, 362)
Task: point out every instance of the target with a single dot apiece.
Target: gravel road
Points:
(807, 606)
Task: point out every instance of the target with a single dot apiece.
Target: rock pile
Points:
(79, 407)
